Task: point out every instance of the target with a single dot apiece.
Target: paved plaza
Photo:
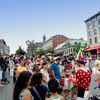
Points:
(6, 91)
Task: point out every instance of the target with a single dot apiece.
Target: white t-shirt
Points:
(66, 83)
(59, 97)
(45, 74)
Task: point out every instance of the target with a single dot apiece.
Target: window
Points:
(93, 23)
(68, 50)
(71, 49)
(99, 21)
(89, 33)
(90, 41)
(95, 40)
(95, 32)
(57, 40)
(99, 29)
(88, 26)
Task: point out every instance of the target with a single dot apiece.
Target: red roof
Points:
(92, 48)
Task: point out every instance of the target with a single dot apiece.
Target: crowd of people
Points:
(52, 78)
(4, 68)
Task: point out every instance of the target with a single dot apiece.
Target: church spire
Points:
(44, 38)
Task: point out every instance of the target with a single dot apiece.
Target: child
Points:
(69, 65)
(66, 84)
(72, 89)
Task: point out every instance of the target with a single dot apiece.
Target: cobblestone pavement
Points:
(6, 91)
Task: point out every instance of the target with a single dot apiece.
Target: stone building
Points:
(93, 34)
(54, 41)
(68, 47)
(4, 48)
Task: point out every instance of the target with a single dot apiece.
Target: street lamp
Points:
(31, 46)
(28, 43)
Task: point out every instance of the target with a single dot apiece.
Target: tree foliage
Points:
(78, 46)
(43, 52)
(20, 51)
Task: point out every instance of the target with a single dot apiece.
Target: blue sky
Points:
(22, 20)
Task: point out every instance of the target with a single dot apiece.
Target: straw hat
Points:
(97, 64)
(56, 58)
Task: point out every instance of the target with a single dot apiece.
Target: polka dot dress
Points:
(83, 78)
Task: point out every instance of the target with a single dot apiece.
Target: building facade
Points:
(38, 45)
(54, 41)
(4, 49)
(93, 34)
(68, 47)
(33, 46)
(93, 29)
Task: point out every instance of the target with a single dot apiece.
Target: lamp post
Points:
(31, 47)
(28, 44)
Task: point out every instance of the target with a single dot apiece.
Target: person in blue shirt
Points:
(55, 71)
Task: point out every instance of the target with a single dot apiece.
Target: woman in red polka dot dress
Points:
(83, 79)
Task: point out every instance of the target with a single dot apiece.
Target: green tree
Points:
(20, 51)
(75, 43)
(79, 45)
(36, 52)
(85, 45)
(43, 52)
(49, 50)
(39, 52)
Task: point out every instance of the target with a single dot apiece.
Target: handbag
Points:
(37, 93)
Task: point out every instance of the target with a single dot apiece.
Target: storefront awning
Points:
(93, 48)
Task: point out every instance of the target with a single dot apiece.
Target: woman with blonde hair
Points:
(21, 67)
